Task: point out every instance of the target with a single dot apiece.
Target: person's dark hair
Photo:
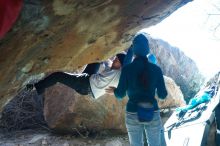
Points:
(121, 57)
(144, 77)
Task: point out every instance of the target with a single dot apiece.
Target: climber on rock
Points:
(90, 81)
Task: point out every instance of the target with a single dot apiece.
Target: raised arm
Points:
(120, 91)
(128, 57)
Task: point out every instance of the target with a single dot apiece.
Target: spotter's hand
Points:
(110, 90)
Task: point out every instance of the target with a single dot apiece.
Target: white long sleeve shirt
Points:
(108, 77)
(99, 82)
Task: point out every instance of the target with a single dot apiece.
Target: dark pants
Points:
(80, 83)
(217, 118)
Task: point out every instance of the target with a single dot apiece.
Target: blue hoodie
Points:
(131, 85)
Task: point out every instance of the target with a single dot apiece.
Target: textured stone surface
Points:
(67, 34)
(175, 96)
(67, 111)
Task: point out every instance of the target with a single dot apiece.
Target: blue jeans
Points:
(153, 130)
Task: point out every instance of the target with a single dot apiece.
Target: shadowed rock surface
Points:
(175, 96)
(67, 111)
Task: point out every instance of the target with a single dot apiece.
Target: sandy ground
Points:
(39, 137)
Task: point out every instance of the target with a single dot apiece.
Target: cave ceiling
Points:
(64, 35)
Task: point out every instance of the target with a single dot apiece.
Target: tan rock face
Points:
(174, 98)
(67, 111)
(67, 34)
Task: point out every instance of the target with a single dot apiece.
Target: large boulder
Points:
(67, 111)
(174, 98)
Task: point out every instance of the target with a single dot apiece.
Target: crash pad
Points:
(9, 12)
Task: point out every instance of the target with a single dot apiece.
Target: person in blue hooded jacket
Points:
(139, 80)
